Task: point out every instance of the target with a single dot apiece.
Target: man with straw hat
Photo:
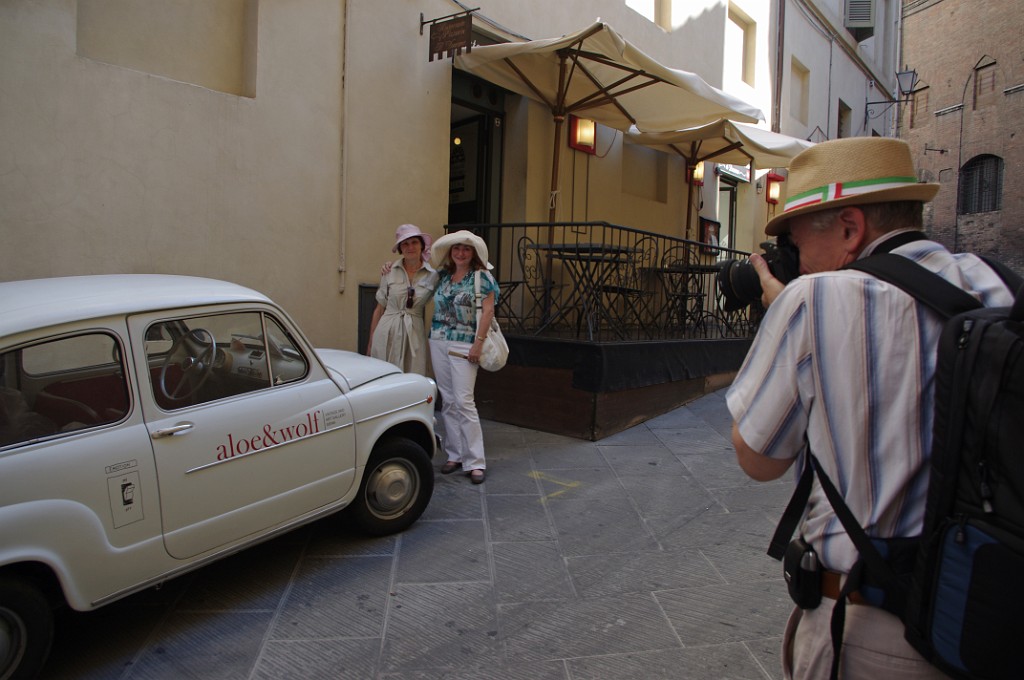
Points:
(843, 363)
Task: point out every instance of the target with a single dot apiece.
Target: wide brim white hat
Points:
(849, 171)
(440, 252)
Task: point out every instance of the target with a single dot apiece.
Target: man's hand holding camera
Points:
(770, 285)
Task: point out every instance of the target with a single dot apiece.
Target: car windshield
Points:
(194, 360)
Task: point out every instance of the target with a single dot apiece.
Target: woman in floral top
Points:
(456, 343)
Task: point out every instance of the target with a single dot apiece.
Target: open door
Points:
(475, 145)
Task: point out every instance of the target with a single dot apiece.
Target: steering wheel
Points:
(194, 369)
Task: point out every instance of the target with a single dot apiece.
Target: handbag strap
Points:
(478, 297)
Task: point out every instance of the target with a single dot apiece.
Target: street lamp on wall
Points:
(906, 81)
(774, 183)
(583, 134)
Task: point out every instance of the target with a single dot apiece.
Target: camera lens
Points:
(739, 284)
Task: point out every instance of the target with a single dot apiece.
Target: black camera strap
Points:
(890, 244)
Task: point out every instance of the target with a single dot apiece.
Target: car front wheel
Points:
(397, 485)
(26, 629)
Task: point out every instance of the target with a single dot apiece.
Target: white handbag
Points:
(494, 353)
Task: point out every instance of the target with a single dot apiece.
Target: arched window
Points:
(981, 185)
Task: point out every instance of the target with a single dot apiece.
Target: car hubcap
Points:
(391, 490)
(12, 645)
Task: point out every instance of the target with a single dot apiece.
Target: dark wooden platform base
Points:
(593, 390)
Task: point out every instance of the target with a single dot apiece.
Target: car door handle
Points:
(180, 428)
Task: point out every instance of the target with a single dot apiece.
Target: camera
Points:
(738, 281)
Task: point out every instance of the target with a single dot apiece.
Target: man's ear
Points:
(854, 229)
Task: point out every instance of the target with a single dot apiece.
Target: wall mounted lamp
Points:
(583, 134)
(906, 81)
(774, 182)
(697, 174)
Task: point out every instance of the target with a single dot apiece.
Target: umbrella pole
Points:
(552, 210)
(689, 208)
(558, 113)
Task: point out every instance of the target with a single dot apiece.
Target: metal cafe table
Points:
(592, 268)
(686, 292)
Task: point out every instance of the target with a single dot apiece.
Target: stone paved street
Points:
(639, 556)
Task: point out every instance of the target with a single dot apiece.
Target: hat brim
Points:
(917, 192)
(425, 238)
(442, 247)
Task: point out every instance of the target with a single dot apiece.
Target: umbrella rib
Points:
(724, 149)
(608, 97)
(528, 82)
(601, 59)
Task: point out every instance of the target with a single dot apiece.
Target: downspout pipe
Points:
(780, 48)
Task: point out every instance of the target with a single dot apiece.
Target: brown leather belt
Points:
(831, 585)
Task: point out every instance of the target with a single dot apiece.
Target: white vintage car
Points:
(152, 424)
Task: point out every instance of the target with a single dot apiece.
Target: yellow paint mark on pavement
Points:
(566, 485)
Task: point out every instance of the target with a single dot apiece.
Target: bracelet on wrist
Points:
(480, 339)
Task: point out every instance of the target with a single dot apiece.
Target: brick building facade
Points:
(965, 121)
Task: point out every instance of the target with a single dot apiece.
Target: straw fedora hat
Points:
(408, 231)
(444, 245)
(851, 171)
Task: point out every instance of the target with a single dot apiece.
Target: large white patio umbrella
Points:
(596, 73)
(723, 141)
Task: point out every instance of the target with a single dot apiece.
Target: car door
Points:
(249, 432)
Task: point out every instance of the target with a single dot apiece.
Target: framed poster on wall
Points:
(710, 232)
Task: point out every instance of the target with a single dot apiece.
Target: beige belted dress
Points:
(401, 336)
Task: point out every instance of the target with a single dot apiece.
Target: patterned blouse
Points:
(454, 307)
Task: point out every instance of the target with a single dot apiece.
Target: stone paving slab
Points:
(641, 556)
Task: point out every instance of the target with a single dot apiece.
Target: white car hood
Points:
(355, 369)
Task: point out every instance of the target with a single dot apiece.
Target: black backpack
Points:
(954, 587)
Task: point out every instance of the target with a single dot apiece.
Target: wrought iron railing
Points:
(601, 282)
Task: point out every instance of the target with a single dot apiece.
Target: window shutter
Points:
(860, 14)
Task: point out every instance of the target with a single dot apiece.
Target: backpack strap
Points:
(791, 516)
(870, 559)
(924, 285)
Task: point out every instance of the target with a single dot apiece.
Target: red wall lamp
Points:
(582, 134)
(697, 174)
(774, 183)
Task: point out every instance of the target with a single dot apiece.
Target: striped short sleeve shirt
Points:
(848, 361)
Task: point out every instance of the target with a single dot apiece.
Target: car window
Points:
(196, 360)
(61, 386)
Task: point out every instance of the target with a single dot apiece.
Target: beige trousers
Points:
(873, 646)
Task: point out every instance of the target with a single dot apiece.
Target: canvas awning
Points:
(725, 141)
(596, 73)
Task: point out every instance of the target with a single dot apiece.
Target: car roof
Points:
(38, 303)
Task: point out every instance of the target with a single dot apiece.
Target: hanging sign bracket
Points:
(449, 35)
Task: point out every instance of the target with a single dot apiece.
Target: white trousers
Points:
(456, 380)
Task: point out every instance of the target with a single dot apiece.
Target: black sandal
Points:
(477, 476)
(450, 467)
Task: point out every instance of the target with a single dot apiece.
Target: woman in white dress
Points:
(397, 330)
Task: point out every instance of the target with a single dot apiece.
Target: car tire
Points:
(397, 485)
(26, 629)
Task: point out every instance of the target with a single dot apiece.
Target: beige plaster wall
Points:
(296, 186)
(107, 169)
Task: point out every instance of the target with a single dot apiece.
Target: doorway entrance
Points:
(475, 146)
(727, 212)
